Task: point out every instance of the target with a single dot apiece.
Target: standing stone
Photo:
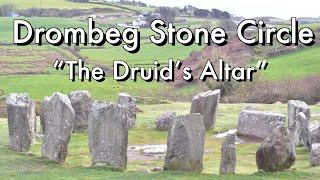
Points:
(315, 155)
(108, 135)
(164, 121)
(258, 124)
(206, 104)
(185, 144)
(57, 121)
(277, 152)
(313, 135)
(130, 104)
(21, 121)
(302, 129)
(81, 102)
(296, 126)
(228, 155)
(44, 113)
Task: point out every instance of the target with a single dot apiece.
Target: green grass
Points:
(20, 166)
(39, 86)
(60, 4)
(299, 64)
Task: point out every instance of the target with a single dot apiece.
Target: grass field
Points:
(60, 4)
(20, 166)
(300, 64)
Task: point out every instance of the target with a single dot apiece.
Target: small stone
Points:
(164, 121)
(185, 144)
(156, 169)
(130, 104)
(57, 121)
(206, 104)
(313, 135)
(228, 155)
(21, 121)
(294, 124)
(81, 102)
(277, 152)
(315, 155)
(108, 135)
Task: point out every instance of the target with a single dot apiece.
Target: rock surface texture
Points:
(185, 144)
(21, 121)
(164, 121)
(206, 104)
(315, 155)
(228, 155)
(81, 102)
(108, 135)
(258, 124)
(277, 152)
(57, 121)
(296, 125)
(130, 104)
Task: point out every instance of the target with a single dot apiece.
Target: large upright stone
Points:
(228, 155)
(108, 135)
(58, 117)
(277, 152)
(302, 130)
(295, 125)
(315, 155)
(313, 135)
(258, 124)
(130, 104)
(21, 121)
(206, 104)
(81, 102)
(185, 144)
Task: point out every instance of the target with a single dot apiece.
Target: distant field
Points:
(60, 4)
(20, 166)
(299, 64)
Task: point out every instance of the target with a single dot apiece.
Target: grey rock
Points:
(57, 125)
(185, 144)
(295, 126)
(277, 152)
(228, 155)
(44, 113)
(130, 104)
(21, 121)
(258, 124)
(313, 135)
(81, 102)
(315, 155)
(302, 130)
(164, 121)
(206, 104)
(108, 135)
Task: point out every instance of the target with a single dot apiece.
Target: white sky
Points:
(252, 8)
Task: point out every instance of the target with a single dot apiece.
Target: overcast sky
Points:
(252, 8)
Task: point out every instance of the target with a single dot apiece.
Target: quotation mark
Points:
(178, 64)
(59, 64)
(262, 65)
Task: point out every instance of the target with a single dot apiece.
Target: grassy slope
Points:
(77, 166)
(60, 4)
(299, 64)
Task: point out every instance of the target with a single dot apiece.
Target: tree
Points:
(167, 14)
(201, 13)
(228, 25)
(6, 8)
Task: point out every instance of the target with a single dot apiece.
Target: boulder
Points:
(21, 121)
(228, 155)
(206, 103)
(258, 124)
(164, 121)
(302, 130)
(81, 102)
(44, 113)
(296, 126)
(313, 135)
(277, 152)
(185, 144)
(57, 119)
(130, 104)
(108, 135)
(315, 155)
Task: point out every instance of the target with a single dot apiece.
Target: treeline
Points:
(214, 13)
(5, 9)
(54, 12)
(134, 3)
